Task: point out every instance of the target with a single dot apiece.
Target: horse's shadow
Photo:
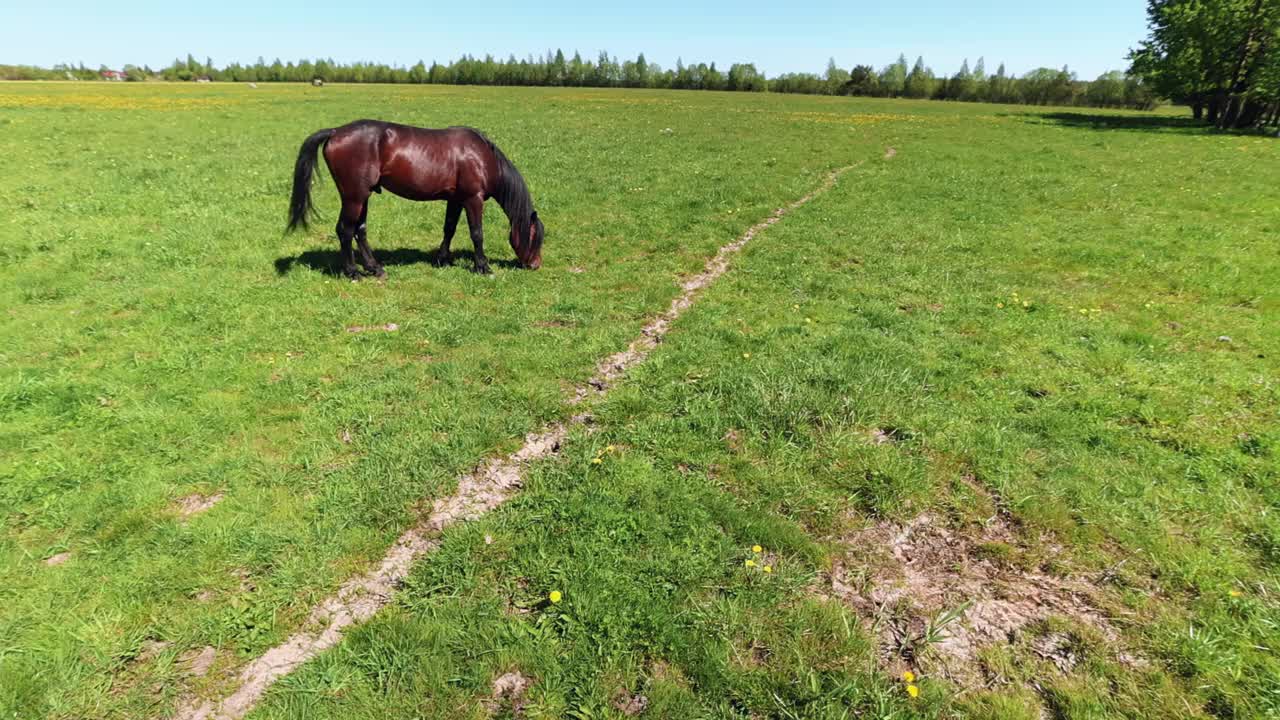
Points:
(329, 262)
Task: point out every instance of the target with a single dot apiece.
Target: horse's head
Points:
(529, 247)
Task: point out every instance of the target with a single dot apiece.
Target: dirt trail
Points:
(359, 598)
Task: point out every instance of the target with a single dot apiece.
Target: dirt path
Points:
(359, 598)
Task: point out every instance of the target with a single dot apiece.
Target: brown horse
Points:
(458, 165)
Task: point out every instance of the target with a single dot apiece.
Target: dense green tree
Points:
(920, 81)
(980, 82)
(1107, 90)
(1215, 55)
(961, 86)
(836, 79)
(862, 81)
(745, 77)
(893, 79)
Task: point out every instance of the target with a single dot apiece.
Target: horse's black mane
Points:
(512, 193)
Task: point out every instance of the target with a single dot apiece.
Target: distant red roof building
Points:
(112, 75)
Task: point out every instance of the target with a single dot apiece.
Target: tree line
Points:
(1221, 57)
(1042, 86)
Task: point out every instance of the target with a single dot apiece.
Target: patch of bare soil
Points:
(58, 559)
(509, 692)
(389, 327)
(628, 704)
(196, 503)
(197, 662)
(938, 596)
(890, 153)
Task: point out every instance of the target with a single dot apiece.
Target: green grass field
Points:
(1047, 342)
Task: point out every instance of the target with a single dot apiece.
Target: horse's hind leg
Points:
(451, 215)
(348, 221)
(475, 223)
(366, 254)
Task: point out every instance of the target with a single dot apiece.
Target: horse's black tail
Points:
(300, 209)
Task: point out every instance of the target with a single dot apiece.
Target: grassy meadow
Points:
(1065, 322)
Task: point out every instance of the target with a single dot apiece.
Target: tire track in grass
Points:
(360, 597)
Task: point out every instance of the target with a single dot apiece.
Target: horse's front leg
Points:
(451, 215)
(475, 222)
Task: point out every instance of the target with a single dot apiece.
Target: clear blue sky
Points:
(1091, 36)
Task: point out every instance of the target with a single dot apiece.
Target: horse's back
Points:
(413, 162)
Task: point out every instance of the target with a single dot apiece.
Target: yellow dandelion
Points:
(913, 691)
(767, 568)
(1026, 303)
(1235, 593)
(610, 448)
(749, 563)
(908, 676)
(596, 461)
(808, 320)
(746, 356)
(757, 549)
(1000, 306)
(555, 596)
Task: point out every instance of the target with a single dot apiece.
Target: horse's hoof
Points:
(380, 273)
(444, 261)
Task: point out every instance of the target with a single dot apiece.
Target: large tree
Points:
(1211, 54)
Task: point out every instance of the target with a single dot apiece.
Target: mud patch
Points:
(150, 650)
(196, 503)
(389, 327)
(509, 692)
(553, 324)
(54, 560)
(629, 704)
(196, 663)
(887, 435)
(938, 597)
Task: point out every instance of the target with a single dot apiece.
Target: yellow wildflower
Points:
(596, 461)
(749, 563)
(767, 568)
(610, 448)
(908, 676)
(1000, 306)
(757, 549)
(1235, 593)
(1026, 303)
(555, 596)
(913, 691)
(746, 356)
